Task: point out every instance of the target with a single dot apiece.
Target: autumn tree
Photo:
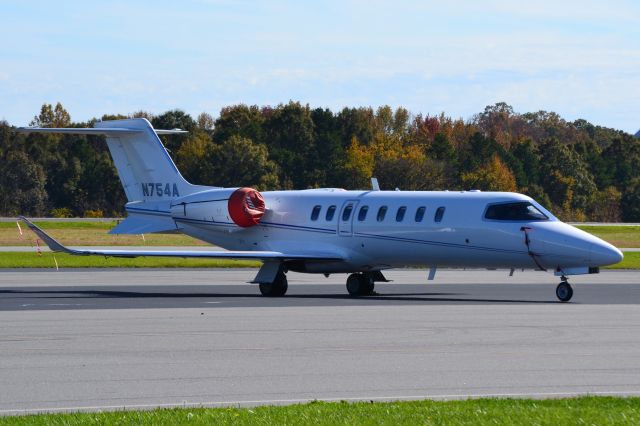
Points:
(239, 120)
(239, 162)
(205, 121)
(52, 117)
(494, 176)
(174, 119)
(630, 202)
(191, 158)
(22, 185)
(289, 135)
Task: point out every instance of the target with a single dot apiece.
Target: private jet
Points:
(331, 230)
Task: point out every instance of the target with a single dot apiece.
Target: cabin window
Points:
(315, 212)
(382, 211)
(522, 210)
(330, 212)
(400, 214)
(420, 213)
(439, 214)
(346, 213)
(362, 214)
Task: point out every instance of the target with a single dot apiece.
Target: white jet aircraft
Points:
(332, 230)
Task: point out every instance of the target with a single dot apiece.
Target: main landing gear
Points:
(276, 288)
(360, 285)
(564, 292)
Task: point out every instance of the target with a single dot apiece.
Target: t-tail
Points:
(149, 176)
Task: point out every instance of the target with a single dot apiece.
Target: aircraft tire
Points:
(354, 285)
(277, 288)
(564, 292)
(359, 285)
(368, 285)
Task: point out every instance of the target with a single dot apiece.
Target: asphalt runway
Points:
(107, 339)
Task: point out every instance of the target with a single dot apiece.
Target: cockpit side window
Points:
(439, 214)
(521, 211)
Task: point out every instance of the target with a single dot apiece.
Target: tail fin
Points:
(148, 174)
(144, 166)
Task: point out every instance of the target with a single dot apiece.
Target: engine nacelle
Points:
(242, 206)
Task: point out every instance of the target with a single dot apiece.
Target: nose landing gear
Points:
(564, 292)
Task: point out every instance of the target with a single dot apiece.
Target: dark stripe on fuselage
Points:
(359, 234)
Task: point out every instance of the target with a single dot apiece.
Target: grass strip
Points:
(63, 225)
(575, 411)
(96, 234)
(620, 236)
(46, 260)
(631, 261)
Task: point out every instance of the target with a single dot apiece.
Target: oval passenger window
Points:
(330, 212)
(315, 212)
(382, 211)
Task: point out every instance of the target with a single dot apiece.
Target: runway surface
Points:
(89, 339)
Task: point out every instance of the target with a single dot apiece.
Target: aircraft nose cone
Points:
(605, 254)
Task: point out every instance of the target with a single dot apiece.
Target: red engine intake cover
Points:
(246, 207)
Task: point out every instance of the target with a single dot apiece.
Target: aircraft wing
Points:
(257, 255)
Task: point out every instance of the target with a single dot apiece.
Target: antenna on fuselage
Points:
(375, 186)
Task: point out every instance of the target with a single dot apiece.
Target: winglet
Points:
(50, 241)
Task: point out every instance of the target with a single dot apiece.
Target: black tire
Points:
(360, 285)
(564, 292)
(354, 285)
(367, 285)
(277, 288)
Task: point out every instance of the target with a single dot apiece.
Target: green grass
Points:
(631, 261)
(573, 411)
(79, 224)
(96, 234)
(620, 236)
(46, 260)
(89, 234)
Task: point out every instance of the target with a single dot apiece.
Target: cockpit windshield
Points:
(522, 210)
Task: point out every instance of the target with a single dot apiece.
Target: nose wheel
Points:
(564, 292)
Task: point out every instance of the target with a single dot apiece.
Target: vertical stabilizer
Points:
(146, 170)
(148, 174)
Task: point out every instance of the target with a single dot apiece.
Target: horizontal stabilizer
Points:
(257, 255)
(106, 131)
(80, 131)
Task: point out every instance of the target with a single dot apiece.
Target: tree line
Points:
(578, 170)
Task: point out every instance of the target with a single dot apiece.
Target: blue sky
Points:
(578, 58)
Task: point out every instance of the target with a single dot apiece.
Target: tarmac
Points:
(127, 338)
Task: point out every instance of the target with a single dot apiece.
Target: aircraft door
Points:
(345, 220)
